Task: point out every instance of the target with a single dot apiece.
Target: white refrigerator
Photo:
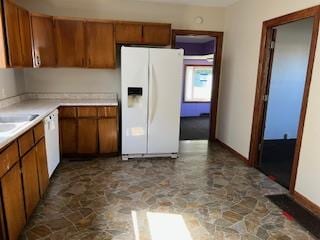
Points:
(151, 88)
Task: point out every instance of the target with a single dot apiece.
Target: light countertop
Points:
(43, 108)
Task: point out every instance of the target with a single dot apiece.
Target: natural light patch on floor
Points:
(160, 226)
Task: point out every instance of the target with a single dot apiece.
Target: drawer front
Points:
(68, 112)
(26, 142)
(107, 112)
(8, 158)
(87, 112)
(38, 132)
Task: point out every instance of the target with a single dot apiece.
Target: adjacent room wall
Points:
(238, 84)
(11, 83)
(288, 77)
(195, 109)
(85, 80)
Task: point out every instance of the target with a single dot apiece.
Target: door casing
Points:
(262, 84)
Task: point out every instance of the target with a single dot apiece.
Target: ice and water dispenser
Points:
(134, 97)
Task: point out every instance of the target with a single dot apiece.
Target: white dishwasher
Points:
(51, 127)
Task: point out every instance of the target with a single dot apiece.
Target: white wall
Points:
(11, 83)
(82, 80)
(288, 77)
(239, 75)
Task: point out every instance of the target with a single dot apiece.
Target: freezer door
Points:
(134, 99)
(165, 90)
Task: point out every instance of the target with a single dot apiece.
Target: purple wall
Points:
(195, 109)
(197, 48)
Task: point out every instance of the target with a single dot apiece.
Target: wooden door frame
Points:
(262, 81)
(216, 71)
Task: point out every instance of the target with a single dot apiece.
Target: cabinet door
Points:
(70, 42)
(25, 37)
(68, 130)
(108, 135)
(13, 202)
(43, 41)
(30, 181)
(154, 34)
(42, 166)
(87, 136)
(128, 33)
(100, 45)
(13, 34)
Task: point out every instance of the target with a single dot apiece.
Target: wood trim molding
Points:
(216, 72)
(230, 149)
(262, 83)
(306, 203)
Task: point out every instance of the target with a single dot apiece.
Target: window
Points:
(198, 84)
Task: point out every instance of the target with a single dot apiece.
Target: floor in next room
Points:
(207, 193)
(194, 128)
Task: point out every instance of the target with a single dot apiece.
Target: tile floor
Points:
(206, 194)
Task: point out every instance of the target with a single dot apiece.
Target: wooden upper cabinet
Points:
(43, 41)
(13, 34)
(157, 34)
(25, 37)
(127, 32)
(70, 43)
(3, 50)
(100, 43)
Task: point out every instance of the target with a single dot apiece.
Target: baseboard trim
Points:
(230, 149)
(305, 202)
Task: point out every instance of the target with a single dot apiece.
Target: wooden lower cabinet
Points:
(87, 136)
(30, 181)
(108, 135)
(68, 131)
(42, 165)
(13, 202)
(89, 130)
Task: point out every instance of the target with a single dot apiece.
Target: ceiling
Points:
(210, 3)
(194, 39)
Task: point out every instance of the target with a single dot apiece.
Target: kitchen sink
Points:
(17, 118)
(7, 127)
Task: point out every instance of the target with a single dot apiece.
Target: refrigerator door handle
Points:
(153, 82)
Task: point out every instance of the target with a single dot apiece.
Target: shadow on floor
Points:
(276, 160)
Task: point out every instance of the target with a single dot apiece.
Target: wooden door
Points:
(128, 33)
(108, 135)
(42, 166)
(70, 43)
(13, 204)
(157, 34)
(100, 45)
(25, 37)
(87, 136)
(13, 34)
(68, 130)
(3, 48)
(43, 41)
(30, 181)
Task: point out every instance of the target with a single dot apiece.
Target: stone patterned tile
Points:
(215, 194)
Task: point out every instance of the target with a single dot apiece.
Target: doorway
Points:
(202, 61)
(285, 70)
